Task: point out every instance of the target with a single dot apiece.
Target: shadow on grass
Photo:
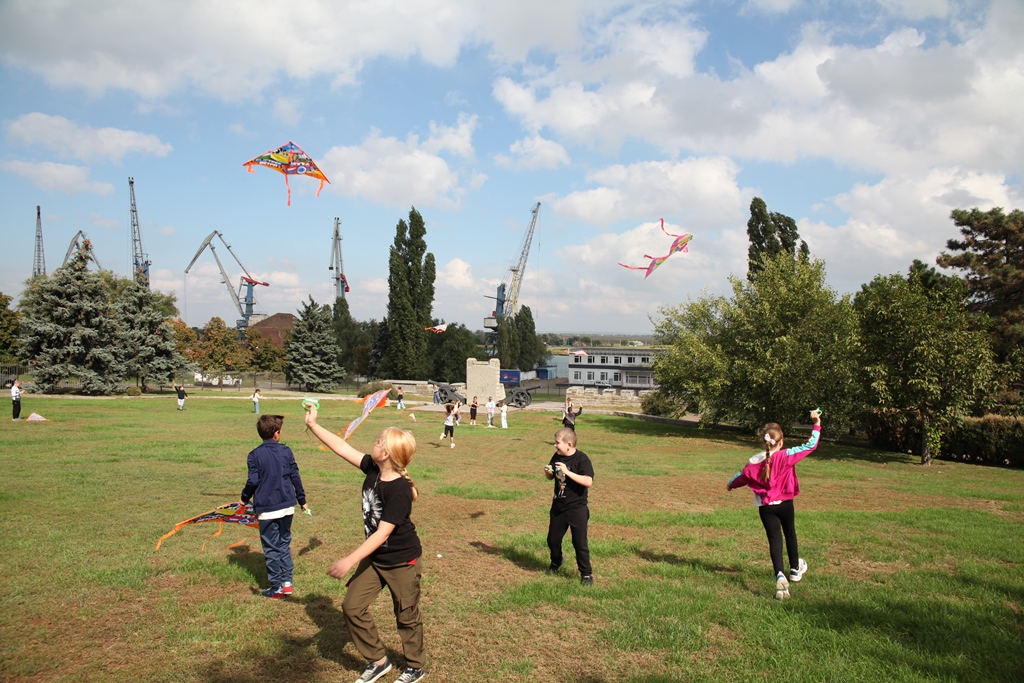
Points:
(255, 564)
(937, 639)
(731, 573)
(520, 559)
(313, 544)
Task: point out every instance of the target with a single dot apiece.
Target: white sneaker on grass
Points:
(374, 671)
(781, 587)
(411, 675)
(797, 573)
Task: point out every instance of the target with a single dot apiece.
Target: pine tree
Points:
(10, 323)
(411, 274)
(312, 350)
(146, 336)
(69, 329)
(770, 234)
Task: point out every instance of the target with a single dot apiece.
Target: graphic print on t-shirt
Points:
(560, 485)
(373, 509)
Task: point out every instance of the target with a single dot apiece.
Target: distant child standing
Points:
(255, 398)
(504, 415)
(490, 411)
(449, 423)
(401, 399)
(458, 414)
(772, 477)
(181, 396)
(472, 411)
(274, 485)
(16, 399)
(574, 475)
(568, 416)
(390, 554)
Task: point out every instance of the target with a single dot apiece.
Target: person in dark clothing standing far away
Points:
(181, 396)
(274, 485)
(573, 474)
(568, 416)
(390, 555)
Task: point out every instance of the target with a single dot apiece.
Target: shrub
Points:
(371, 387)
(989, 440)
(894, 430)
(133, 391)
(661, 404)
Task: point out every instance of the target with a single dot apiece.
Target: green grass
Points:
(916, 574)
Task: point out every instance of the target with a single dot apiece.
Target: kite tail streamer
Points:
(220, 528)
(319, 188)
(249, 168)
(289, 189)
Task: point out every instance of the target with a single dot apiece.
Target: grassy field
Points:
(916, 574)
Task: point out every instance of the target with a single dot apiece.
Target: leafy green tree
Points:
(349, 333)
(770, 234)
(508, 342)
(10, 324)
(533, 352)
(782, 345)
(312, 350)
(261, 354)
(449, 350)
(923, 353)
(411, 274)
(69, 329)
(218, 350)
(146, 337)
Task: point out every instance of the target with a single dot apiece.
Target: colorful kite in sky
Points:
(289, 159)
(679, 244)
(232, 513)
(437, 328)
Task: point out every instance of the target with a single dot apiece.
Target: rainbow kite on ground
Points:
(232, 513)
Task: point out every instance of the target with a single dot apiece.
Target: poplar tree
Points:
(312, 350)
(770, 234)
(10, 323)
(69, 328)
(411, 274)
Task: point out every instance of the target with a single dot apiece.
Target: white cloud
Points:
(47, 175)
(533, 153)
(287, 111)
(70, 139)
(392, 171)
(703, 190)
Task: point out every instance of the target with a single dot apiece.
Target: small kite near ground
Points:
(36, 417)
(289, 159)
(680, 244)
(232, 513)
(437, 328)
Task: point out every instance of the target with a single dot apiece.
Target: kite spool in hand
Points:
(308, 403)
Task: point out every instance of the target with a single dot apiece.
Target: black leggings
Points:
(778, 522)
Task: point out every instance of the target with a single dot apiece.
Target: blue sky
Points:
(866, 121)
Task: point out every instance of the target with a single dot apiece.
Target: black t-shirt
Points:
(568, 493)
(389, 501)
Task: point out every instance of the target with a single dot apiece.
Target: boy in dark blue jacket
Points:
(274, 486)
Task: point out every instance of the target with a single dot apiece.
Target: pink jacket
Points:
(783, 484)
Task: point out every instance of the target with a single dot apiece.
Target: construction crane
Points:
(243, 303)
(76, 243)
(340, 283)
(39, 262)
(139, 259)
(507, 299)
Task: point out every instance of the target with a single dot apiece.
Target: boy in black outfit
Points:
(574, 475)
(274, 486)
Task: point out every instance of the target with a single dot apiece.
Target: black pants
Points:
(778, 521)
(16, 411)
(574, 519)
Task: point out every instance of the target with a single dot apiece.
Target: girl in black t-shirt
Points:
(389, 555)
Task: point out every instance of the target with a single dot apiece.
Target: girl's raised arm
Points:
(332, 440)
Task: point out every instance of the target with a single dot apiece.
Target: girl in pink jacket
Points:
(772, 477)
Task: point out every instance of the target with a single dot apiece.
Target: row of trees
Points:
(102, 330)
(910, 352)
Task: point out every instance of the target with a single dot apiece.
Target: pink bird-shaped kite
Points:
(681, 243)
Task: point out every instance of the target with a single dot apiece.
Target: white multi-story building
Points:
(617, 367)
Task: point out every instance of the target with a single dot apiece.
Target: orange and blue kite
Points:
(289, 159)
(680, 244)
(232, 513)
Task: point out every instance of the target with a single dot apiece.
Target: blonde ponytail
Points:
(401, 447)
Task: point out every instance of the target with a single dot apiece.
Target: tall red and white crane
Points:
(340, 282)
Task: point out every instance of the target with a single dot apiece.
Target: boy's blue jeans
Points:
(276, 536)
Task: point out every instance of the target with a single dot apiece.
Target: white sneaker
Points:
(795, 574)
(453, 445)
(781, 587)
